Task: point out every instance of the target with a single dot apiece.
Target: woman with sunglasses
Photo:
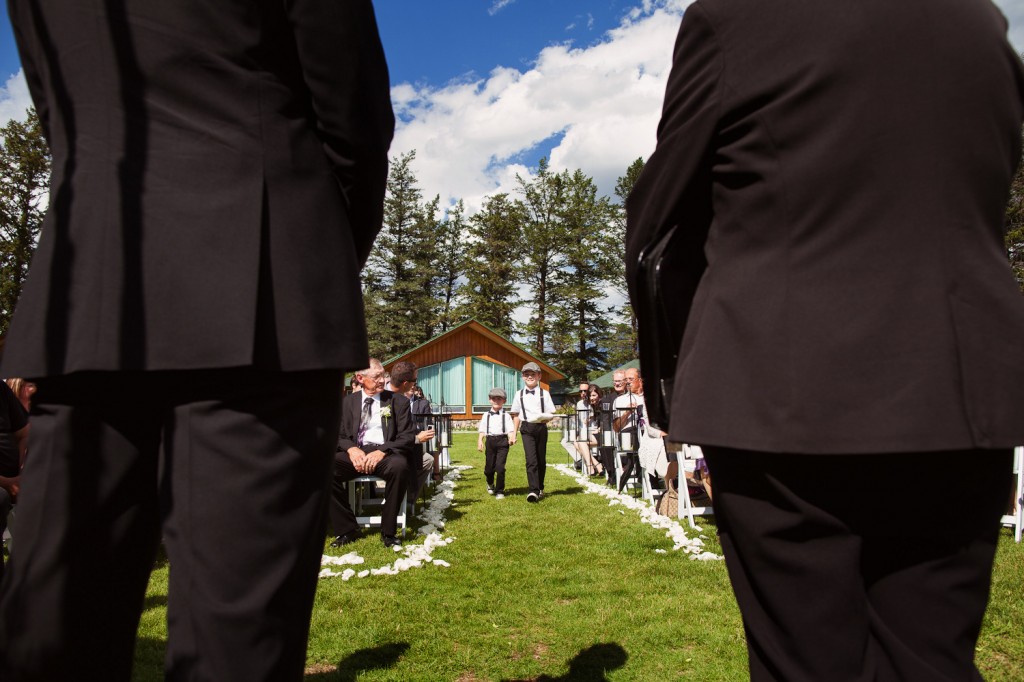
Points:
(587, 424)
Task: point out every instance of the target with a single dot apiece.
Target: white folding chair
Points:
(688, 462)
(1015, 519)
(361, 504)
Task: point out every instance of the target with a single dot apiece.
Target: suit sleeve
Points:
(345, 70)
(675, 185)
(405, 429)
(347, 435)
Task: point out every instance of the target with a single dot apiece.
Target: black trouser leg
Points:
(489, 455)
(5, 509)
(394, 469)
(531, 446)
(838, 574)
(235, 463)
(499, 449)
(608, 460)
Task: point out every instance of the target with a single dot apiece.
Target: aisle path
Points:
(419, 551)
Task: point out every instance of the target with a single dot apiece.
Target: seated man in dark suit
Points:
(403, 377)
(377, 435)
(13, 433)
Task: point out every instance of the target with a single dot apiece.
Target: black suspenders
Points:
(503, 429)
(522, 404)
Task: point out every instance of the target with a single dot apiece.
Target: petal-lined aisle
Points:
(415, 555)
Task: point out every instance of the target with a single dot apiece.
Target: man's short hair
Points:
(402, 372)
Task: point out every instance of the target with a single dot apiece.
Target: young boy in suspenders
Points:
(497, 430)
(530, 402)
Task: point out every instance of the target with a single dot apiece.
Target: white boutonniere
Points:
(385, 412)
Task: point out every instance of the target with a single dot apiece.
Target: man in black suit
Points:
(402, 380)
(377, 438)
(838, 174)
(218, 177)
(13, 438)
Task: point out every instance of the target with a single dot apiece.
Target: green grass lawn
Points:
(568, 589)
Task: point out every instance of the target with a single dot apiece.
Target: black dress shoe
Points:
(390, 541)
(345, 539)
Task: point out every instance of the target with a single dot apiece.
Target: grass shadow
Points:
(154, 601)
(575, 490)
(589, 665)
(352, 666)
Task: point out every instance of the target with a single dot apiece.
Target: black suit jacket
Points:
(218, 178)
(399, 428)
(845, 169)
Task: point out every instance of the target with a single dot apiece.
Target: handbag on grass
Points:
(668, 505)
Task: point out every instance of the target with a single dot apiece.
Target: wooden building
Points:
(459, 367)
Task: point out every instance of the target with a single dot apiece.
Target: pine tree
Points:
(581, 284)
(24, 183)
(397, 278)
(622, 350)
(543, 250)
(489, 293)
(450, 266)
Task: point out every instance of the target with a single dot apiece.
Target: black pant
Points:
(535, 443)
(608, 461)
(860, 567)
(5, 509)
(231, 466)
(394, 469)
(495, 454)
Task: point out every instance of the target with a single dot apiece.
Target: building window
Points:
(444, 384)
(488, 375)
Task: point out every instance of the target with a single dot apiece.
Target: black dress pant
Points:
(394, 469)
(5, 509)
(607, 455)
(495, 456)
(535, 444)
(860, 567)
(231, 466)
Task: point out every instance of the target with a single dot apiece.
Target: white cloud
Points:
(595, 108)
(14, 98)
(498, 6)
(600, 104)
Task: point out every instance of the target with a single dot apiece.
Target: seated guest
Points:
(588, 413)
(376, 437)
(417, 402)
(403, 378)
(13, 434)
(420, 407)
(628, 409)
(24, 390)
(605, 419)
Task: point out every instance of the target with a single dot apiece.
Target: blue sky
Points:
(484, 88)
(444, 39)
